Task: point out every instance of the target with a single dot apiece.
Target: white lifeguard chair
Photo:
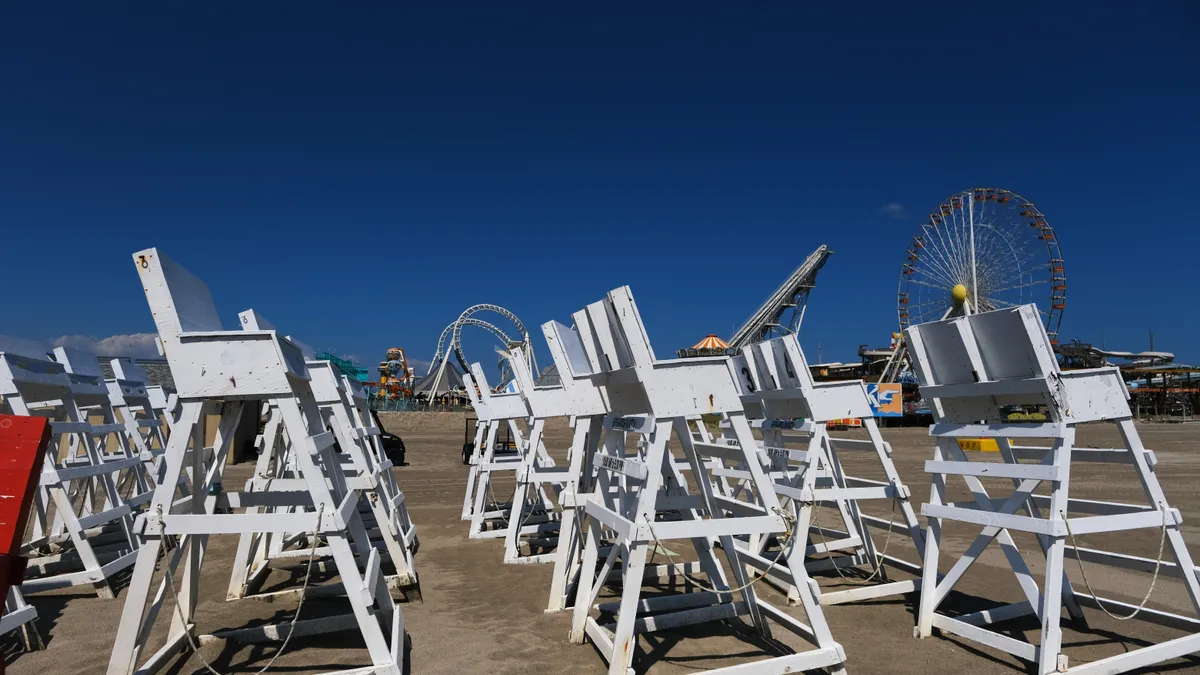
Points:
(538, 479)
(83, 369)
(219, 370)
(589, 404)
(142, 409)
(360, 423)
(382, 508)
(660, 397)
(584, 401)
(490, 517)
(995, 376)
(81, 530)
(811, 479)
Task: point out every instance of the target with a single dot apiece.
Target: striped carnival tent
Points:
(711, 341)
(711, 345)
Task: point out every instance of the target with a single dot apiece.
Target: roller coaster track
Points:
(792, 296)
(450, 341)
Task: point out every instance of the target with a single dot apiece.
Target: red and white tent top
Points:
(711, 341)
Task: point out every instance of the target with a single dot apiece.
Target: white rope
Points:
(880, 556)
(535, 504)
(788, 520)
(492, 500)
(291, 625)
(1162, 542)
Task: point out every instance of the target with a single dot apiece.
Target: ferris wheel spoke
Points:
(994, 279)
(949, 249)
(929, 285)
(932, 304)
(940, 254)
(1004, 304)
(954, 234)
(997, 303)
(936, 275)
(1030, 284)
(937, 262)
(933, 267)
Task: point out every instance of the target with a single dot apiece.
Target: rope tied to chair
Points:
(1162, 542)
(291, 625)
(789, 522)
(879, 558)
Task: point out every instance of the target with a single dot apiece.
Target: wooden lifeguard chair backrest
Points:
(79, 363)
(83, 370)
(27, 371)
(508, 405)
(984, 366)
(120, 388)
(124, 368)
(206, 360)
(538, 398)
(252, 320)
(355, 389)
(30, 349)
(612, 333)
(777, 365)
(325, 381)
(776, 375)
(623, 362)
(477, 402)
(179, 300)
(566, 348)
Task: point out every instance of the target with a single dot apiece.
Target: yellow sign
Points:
(979, 444)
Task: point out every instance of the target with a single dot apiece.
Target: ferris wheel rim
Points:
(936, 262)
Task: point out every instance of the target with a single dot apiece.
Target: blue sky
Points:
(361, 174)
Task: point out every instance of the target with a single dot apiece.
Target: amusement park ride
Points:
(395, 378)
(394, 374)
(987, 249)
(450, 343)
(780, 315)
(979, 250)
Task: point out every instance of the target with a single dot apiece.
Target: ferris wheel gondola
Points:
(981, 250)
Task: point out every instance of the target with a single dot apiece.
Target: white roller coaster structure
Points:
(453, 333)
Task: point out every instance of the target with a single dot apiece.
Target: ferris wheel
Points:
(980, 250)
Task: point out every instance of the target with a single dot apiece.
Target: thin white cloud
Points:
(893, 210)
(133, 345)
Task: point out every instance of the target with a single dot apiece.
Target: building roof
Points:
(451, 380)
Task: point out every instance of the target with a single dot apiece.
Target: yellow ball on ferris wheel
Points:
(959, 293)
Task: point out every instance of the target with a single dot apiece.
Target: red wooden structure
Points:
(23, 443)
